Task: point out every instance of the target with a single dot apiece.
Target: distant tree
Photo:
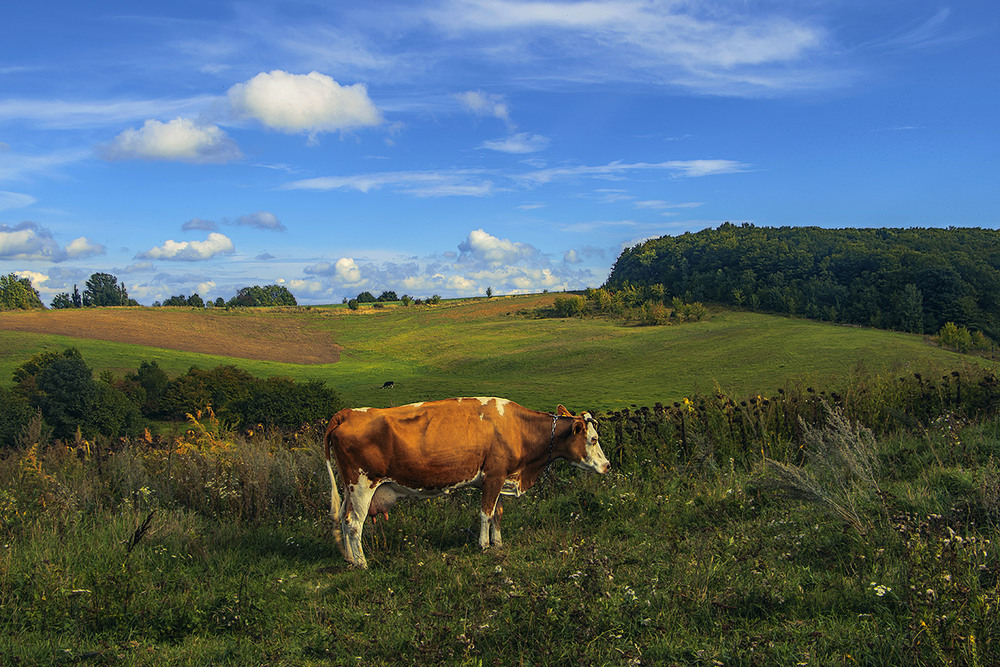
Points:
(366, 297)
(195, 301)
(352, 304)
(406, 299)
(77, 298)
(387, 295)
(220, 303)
(434, 299)
(62, 300)
(489, 292)
(103, 289)
(18, 294)
(180, 300)
(256, 296)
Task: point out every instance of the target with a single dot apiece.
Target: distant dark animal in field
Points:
(424, 450)
(388, 384)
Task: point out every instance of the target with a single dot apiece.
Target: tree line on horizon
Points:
(914, 280)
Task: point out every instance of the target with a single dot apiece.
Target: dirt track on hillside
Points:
(268, 336)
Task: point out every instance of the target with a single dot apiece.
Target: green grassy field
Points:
(475, 348)
(214, 547)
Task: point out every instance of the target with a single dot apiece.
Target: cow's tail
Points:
(338, 535)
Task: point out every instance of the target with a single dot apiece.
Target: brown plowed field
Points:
(269, 336)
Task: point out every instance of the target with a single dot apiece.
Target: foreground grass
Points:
(664, 561)
(484, 347)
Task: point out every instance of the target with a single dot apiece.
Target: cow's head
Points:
(583, 447)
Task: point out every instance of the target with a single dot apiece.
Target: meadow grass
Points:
(488, 347)
(669, 559)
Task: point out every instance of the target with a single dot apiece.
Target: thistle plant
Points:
(840, 470)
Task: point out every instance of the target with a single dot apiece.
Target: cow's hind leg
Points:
(488, 515)
(495, 539)
(360, 497)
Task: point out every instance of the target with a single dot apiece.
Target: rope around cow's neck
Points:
(552, 441)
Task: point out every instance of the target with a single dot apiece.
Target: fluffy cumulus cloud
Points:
(481, 247)
(309, 103)
(482, 261)
(83, 247)
(191, 251)
(180, 139)
(30, 241)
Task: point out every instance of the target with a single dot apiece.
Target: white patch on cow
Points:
(414, 405)
(499, 403)
(361, 409)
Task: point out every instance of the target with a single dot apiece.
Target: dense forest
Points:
(913, 280)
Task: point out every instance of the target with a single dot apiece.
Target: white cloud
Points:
(522, 142)
(180, 139)
(62, 114)
(32, 242)
(618, 170)
(485, 104)
(722, 48)
(215, 244)
(571, 257)
(83, 247)
(346, 271)
(480, 246)
(12, 200)
(458, 182)
(309, 103)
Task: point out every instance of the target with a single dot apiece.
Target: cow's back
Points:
(426, 445)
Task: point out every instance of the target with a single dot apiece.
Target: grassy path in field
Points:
(484, 347)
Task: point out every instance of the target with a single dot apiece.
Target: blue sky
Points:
(443, 147)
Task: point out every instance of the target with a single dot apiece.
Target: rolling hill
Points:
(474, 347)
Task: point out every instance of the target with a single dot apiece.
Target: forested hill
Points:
(905, 279)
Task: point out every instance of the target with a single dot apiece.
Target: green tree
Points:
(257, 296)
(153, 381)
(67, 395)
(103, 289)
(18, 294)
(387, 295)
(62, 300)
(366, 297)
(196, 301)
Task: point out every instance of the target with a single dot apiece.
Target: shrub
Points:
(281, 403)
(568, 306)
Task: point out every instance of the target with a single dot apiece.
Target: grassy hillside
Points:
(477, 347)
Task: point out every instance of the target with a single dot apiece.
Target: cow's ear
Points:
(577, 428)
(563, 412)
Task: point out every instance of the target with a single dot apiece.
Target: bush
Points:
(15, 414)
(281, 403)
(568, 306)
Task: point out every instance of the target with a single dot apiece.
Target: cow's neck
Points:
(549, 432)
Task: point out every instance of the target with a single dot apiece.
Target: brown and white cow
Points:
(428, 449)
